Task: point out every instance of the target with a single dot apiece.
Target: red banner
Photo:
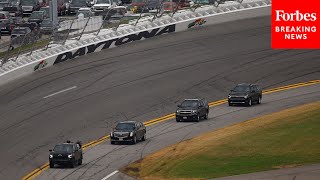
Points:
(295, 24)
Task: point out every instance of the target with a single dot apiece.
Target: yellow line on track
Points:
(44, 167)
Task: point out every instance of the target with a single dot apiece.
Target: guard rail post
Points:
(105, 17)
(65, 40)
(34, 40)
(158, 11)
(5, 59)
(56, 27)
(85, 26)
(21, 44)
(176, 8)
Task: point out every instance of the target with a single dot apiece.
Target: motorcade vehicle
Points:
(37, 17)
(28, 6)
(46, 26)
(75, 5)
(20, 32)
(192, 110)
(68, 153)
(245, 94)
(128, 131)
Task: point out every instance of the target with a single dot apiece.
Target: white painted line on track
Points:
(111, 174)
(53, 94)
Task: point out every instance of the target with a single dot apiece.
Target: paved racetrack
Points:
(140, 81)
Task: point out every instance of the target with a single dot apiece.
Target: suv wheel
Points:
(144, 137)
(177, 120)
(134, 140)
(112, 142)
(206, 116)
(51, 165)
(249, 102)
(198, 118)
(80, 161)
(259, 100)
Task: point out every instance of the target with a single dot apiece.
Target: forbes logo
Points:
(281, 15)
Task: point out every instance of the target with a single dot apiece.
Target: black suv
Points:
(128, 131)
(66, 154)
(192, 109)
(245, 94)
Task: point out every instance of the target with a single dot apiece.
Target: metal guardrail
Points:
(134, 26)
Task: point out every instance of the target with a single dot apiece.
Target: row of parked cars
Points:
(133, 131)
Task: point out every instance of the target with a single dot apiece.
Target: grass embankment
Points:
(283, 139)
(24, 48)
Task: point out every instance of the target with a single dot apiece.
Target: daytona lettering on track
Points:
(114, 42)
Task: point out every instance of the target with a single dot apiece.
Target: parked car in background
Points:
(128, 131)
(75, 5)
(5, 17)
(245, 94)
(14, 11)
(84, 13)
(20, 32)
(28, 6)
(192, 110)
(46, 26)
(138, 6)
(168, 7)
(61, 7)
(6, 23)
(37, 17)
(101, 5)
(3, 4)
(46, 11)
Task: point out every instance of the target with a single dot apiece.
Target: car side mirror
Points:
(179, 106)
(50, 150)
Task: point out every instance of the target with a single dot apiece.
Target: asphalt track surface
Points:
(105, 158)
(141, 81)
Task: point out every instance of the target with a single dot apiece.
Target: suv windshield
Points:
(79, 3)
(189, 103)
(19, 31)
(37, 15)
(125, 126)
(28, 3)
(241, 88)
(103, 2)
(63, 148)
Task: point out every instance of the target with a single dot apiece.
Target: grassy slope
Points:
(286, 138)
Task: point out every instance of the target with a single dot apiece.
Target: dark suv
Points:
(245, 94)
(66, 154)
(192, 109)
(128, 131)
